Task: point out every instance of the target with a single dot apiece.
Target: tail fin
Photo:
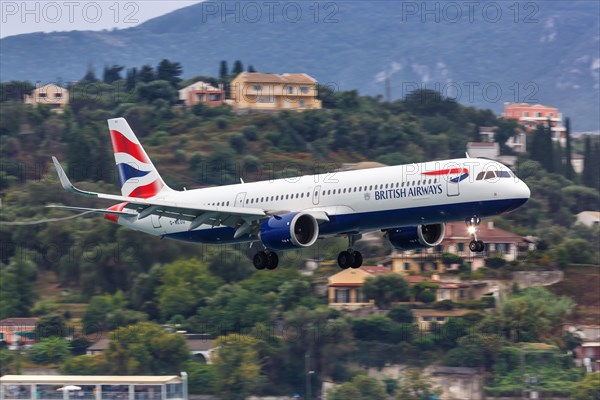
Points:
(137, 175)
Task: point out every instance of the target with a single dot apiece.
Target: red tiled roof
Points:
(19, 322)
(274, 78)
(458, 230)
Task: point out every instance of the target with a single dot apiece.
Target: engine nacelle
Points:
(416, 237)
(289, 231)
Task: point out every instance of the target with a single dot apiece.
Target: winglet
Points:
(66, 183)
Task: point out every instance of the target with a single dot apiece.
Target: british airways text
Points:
(407, 192)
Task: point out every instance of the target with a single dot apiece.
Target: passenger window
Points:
(490, 175)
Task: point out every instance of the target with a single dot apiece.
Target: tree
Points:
(588, 388)
(416, 386)
(361, 387)
(16, 285)
(530, 315)
(237, 367)
(51, 325)
(186, 283)
(8, 364)
(569, 172)
(146, 348)
(131, 79)
(146, 74)
(401, 314)
(238, 68)
(112, 74)
(385, 289)
(85, 365)
(49, 351)
(587, 177)
(223, 71)
(201, 377)
(149, 92)
(251, 68)
(169, 71)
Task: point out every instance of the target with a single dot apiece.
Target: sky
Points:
(18, 16)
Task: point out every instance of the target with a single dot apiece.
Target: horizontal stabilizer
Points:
(96, 210)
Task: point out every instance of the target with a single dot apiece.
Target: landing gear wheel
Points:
(345, 259)
(358, 260)
(272, 260)
(481, 245)
(476, 246)
(260, 260)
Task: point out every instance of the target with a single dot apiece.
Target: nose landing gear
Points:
(476, 246)
(350, 258)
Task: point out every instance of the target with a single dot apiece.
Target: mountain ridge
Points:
(481, 63)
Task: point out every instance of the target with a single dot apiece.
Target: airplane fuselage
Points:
(354, 201)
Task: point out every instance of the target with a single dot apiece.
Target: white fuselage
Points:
(355, 201)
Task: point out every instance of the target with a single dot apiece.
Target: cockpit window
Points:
(480, 175)
(503, 174)
(490, 175)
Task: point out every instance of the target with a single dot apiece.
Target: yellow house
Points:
(272, 92)
(53, 95)
(344, 288)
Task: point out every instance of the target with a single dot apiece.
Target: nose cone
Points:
(524, 190)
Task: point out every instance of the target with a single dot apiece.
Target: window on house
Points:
(42, 95)
(290, 89)
(427, 319)
(257, 87)
(461, 247)
(342, 295)
(440, 319)
(406, 266)
(304, 89)
(360, 296)
(538, 114)
(57, 95)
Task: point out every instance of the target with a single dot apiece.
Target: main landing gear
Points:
(476, 246)
(265, 259)
(350, 258)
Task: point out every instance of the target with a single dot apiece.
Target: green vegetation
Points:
(125, 283)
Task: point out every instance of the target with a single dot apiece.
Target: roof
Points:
(482, 144)
(200, 344)
(487, 128)
(593, 214)
(200, 85)
(90, 379)
(100, 345)
(18, 322)
(377, 270)
(485, 232)
(429, 312)
(355, 277)
(274, 78)
(527, 105)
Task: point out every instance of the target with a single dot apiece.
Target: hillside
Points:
(582, 285)
(548, 53)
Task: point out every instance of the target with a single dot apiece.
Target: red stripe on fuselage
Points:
(123, 145)
(447, 171)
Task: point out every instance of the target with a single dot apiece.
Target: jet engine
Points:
(289, 231)
(416, 237)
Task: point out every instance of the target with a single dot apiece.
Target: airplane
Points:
(410, 203)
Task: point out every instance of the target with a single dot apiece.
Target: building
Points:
(577, 162)
(532, 115)
(202, 93)
(252, 91)
(456, 241)
(17, 332)
(93, 387)
(518, 142)
(53, 95)
(424, 317)
(588, 218)
(588, 353)
(344, 288)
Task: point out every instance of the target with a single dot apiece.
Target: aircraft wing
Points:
(237, 217)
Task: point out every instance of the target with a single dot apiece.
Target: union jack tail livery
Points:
(137, 175)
